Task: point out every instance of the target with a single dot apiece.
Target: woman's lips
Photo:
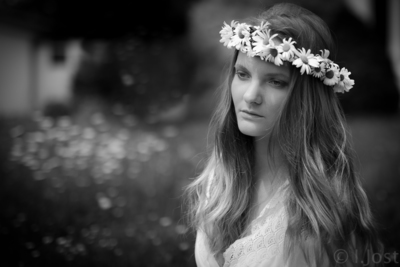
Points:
(247, 113)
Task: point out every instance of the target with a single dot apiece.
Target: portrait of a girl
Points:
(279, 187)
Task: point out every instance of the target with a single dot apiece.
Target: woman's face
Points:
(259, 89)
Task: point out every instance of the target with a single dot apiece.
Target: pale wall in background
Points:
(15, 71)
(29, 77)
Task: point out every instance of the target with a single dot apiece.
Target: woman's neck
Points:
(270, 169)
(270, 173)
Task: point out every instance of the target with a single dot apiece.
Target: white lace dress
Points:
(262, 247)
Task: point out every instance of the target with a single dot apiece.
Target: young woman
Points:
(279, 188)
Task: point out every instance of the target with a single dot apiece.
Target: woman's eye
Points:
(241, 75)
(278, 83)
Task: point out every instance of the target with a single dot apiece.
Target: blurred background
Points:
(104, 114)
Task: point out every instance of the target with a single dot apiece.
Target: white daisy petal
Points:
(313, 62)
(297, 63)
(278, 61)
(303, 69)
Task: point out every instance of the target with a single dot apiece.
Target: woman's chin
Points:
(252, 131)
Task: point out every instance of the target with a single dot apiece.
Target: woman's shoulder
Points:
(203, 255)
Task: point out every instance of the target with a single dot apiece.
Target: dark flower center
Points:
(274, 52)
(317, 69)
(329, 74)
(286, 47)
(341, 77)
(241, 35)
(304, 59)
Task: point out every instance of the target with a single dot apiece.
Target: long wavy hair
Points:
(326, 203)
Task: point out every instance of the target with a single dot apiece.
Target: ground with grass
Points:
(106, 190)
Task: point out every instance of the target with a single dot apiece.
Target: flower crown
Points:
(257, 41)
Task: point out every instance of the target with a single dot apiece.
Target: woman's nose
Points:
(252, 94)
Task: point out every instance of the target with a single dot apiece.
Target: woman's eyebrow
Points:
(269, 74)
(276, 74)
(239, 66)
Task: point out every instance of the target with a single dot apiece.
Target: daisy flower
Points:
(288, 49)
(241, 38)
(261, 42)
(227, 32)
(324, 57)
(265, 48)
(251, 53)
(275, 53)
(319, 71)
(263, 27)
(345, 83)
(305, 60)
(325, 53)
(331, 76)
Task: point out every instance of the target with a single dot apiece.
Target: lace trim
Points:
(267, 232)
(276, 198)
(265, 243)
(266, 238)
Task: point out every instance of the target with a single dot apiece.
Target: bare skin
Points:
(259, 90)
